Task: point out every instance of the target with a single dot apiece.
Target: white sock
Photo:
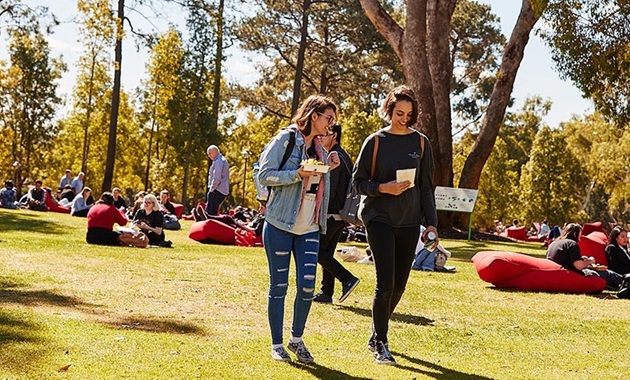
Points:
(274, 346)
(295, 340)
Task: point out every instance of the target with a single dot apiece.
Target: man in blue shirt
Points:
(77, 183)
(218, 180)
(8, 195)
(65, 180)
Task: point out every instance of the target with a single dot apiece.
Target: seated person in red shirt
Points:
(101, 219)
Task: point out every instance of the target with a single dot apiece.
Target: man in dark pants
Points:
(218, 181)
(339, 178)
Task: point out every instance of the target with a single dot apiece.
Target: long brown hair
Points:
(614, 234)
(571, 231)
(314, 103)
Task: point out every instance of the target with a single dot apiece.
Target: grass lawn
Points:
(199, 312)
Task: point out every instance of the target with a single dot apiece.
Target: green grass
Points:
(199, 312)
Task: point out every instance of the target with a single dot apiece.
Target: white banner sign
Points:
(452, 199)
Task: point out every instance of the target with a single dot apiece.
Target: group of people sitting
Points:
(148, 215)
(565, 251)
(148, 219)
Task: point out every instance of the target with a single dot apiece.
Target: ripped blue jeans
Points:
(278, 247)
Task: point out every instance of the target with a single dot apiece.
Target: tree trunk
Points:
(297, 83)
(191, 134)
(216, 94)
(146, 174)
(511, 60)
(113, 120)
(88, 113)
(439, 13)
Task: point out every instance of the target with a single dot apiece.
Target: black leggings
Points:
(393, 250)
(102, 236)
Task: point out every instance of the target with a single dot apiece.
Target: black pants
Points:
(102, 236)
(332, 268)
(213, 202)
(82, 213)
(393, 250)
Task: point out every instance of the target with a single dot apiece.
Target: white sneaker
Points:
(280, 354)
(366, 260)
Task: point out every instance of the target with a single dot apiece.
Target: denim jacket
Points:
(286, 194)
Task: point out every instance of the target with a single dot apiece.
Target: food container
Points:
(317, 168)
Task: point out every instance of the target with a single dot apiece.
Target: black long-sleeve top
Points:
(339, 178)
(618, 260)
(414, 206)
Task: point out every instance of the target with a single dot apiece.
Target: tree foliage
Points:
(590, 45)
(28, 102)
(552, 181)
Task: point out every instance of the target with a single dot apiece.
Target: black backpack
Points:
(350, 211)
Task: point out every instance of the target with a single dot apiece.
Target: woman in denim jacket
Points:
(295, 216)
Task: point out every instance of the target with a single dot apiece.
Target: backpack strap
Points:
(421, 146)
(374, 153)
(285, 156)
(287, 152)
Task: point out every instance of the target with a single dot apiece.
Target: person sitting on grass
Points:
(137, 205)
(37, 197)
(119, 201)
(150, 220)
(100, 222)
(81, 203)
(167, 206)
(566, 252)
(8, 195)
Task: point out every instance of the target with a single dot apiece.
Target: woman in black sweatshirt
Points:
(393, 211)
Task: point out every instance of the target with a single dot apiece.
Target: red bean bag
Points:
(179, 208)
(518, 233)
(52, 206)
(594, 244)
(212, 232)
(587, 228)
(522, 272)
(247, 238)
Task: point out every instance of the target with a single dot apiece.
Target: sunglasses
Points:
(331, 119)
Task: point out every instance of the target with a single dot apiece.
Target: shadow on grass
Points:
(23, 338)
(39, 297)
(326, 373)
(155, 325)
(435, 371)
(397, 317)
(19, 221)
(9, 294)
(604, 295)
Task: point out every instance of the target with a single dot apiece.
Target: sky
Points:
(536, 76)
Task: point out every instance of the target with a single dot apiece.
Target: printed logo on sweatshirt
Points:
(414, 155)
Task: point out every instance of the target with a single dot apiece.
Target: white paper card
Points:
(126, 229)
(406, 175)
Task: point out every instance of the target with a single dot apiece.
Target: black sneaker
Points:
(322, 298)
(625, 282)
(302, 353)
(371, 345)
(382, 354)
(348, 287)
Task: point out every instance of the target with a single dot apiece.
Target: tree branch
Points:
(385, 24)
